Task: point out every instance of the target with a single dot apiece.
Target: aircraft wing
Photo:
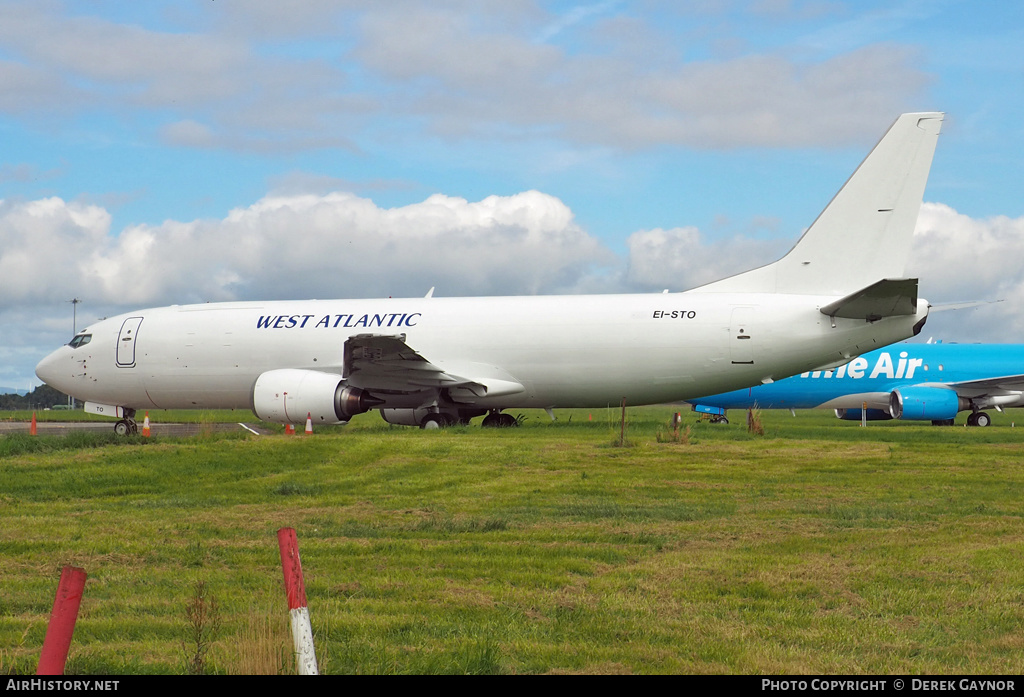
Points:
(1006, 385)
(1007, 390)
(379, 362)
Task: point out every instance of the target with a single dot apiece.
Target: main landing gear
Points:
(975, 418)
(437, 420)
(127, 426)
(979, 418)
(497, 419)
(440, 419)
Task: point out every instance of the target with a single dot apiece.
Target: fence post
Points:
(622, 431)
(62, 622)
(295, 588)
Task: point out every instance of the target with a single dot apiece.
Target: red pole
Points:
(62, 622)
(295, 588)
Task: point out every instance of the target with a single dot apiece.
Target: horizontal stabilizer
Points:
(887, 298)
(962, 306)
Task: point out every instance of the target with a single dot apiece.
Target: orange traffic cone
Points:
(145, 426)
(309, 424)
(32, 429)
(289, 430)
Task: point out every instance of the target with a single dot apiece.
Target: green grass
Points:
(821, 547)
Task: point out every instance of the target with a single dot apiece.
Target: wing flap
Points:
(1004, 385)
(379, 362)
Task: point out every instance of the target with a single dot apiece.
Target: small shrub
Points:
(754, 421)
(202, 616)
(676, 436)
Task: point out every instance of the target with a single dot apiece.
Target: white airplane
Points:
(433, 362)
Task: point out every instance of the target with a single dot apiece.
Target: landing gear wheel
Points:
(432, 422)
(979, 418)
(497, 419)
(123, 428)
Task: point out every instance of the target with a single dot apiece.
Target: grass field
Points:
(819, 547)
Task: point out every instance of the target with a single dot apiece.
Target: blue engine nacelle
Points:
(925, 403)
(855, 414)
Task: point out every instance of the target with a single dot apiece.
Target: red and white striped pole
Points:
(62, 622)
(295, 588)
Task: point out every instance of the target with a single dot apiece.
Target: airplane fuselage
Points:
(987, 375)
(566, 351)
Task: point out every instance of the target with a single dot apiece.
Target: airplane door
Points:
(126, 342)
(741, 341)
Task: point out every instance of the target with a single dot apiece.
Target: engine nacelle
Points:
(925, 403)
(404, 417)
(855, 414)
(286, 396)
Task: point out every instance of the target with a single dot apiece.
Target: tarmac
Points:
(57, 428)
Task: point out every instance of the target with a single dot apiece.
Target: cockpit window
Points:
(80, 340)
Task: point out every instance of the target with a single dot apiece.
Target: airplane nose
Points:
(49, 370)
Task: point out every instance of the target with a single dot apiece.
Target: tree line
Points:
(42, 397)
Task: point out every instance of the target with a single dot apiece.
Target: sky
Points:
(179, 151)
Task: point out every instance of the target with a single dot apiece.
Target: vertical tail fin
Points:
(864, 233)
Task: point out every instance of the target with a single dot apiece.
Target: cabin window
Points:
(80, 340)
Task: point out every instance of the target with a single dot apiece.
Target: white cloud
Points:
(188, 133)
(462, 70)
(339, 244)
(959, 258)
(42, 243)
(468, 82)
(964, 258)
(680, 258)
(332, 245)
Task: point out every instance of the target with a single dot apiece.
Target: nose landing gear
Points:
(127, 425)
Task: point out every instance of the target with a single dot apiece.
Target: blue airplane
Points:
(912, 382)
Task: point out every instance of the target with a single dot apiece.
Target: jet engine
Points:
(855, 414)
(288, 395)
(926, 403)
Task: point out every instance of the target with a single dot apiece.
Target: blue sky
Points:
(166, 152)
